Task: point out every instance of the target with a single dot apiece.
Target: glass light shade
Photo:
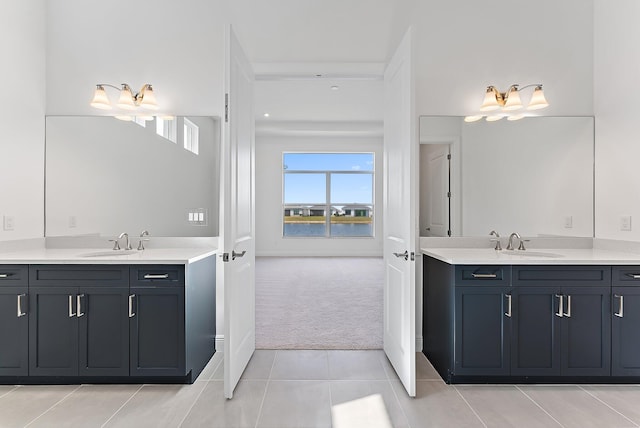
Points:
(493, 118)
(515, 117)
(100, 99)
(124, 118)
(513, 100)
(148, 98)
(125, 101)
(490, 101)
(470, 119)
(538, 100)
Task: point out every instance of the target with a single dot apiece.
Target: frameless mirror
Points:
(105, 176)
(533, 176)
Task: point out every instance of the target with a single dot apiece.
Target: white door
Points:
(400, 195)
(237, 215)
(438, 191)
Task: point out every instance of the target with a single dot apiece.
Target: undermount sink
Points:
(532, 253)
(110, 253)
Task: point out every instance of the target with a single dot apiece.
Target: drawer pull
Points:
(5, 275)
(568, 313)
(78, 303)
(634, 275)
(156, 276)
(484, 275)
(20, 313)
(620, 313)
(131, 313)
(508, 313)
(71, 313)
(560, 305)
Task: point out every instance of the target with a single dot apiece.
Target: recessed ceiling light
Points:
(266, 115)
(335, 88)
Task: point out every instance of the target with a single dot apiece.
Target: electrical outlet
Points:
(568, 222)
(625, 222)
(7, 223)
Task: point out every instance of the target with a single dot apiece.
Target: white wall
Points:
(269, 240)
(617, 67)
(22, 48)
(176, 46)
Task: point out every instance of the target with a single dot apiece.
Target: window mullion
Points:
(327, 207)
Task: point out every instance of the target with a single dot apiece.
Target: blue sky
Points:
(311, 188)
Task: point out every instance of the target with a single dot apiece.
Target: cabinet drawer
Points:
(562, 275)
(626, 275)
(14, 275)
(78, 275)
(157, 275)
(483, 275)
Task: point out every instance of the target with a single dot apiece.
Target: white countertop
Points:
(538, 256)
(92, 256)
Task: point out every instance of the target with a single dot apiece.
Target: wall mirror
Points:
(534, 176)
(105, 176)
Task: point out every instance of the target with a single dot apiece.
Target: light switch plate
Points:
(73, 222)
(568, 222)
(625, 222)
(7, 223)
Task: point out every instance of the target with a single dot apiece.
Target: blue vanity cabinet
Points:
(78, 323)
(625, 321)
(14, 321)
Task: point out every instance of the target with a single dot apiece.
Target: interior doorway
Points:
(435, 189)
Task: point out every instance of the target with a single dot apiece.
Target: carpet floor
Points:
(319, 302)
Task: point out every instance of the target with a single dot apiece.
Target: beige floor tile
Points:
(296, 404)
(505, 406)
(424, 369)
(6, 389)
(26, 403)
(573, 407)
(343, 391)
(260, 365)
(300, 365)
(157, 406)
(356, 365)
(435, 405)
(88, 406)
(623, 398)
(213, 410)
(211, 367)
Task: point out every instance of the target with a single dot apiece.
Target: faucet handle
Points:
(521, 246)
(498, 246)
(141, 244)
(116, 244)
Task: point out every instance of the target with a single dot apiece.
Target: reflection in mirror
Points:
(533, 176)
(106, 176)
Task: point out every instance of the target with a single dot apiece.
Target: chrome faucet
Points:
(510, 245)
(128, 245)
(141, 243)
(496, 240)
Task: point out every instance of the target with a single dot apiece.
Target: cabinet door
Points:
(625, 334)
(14, 331)
(535, 335)
(482, 331)
(157, 331)
(104, 331)
(53, 331)
(586, 331)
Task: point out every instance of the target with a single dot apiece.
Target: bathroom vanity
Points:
(76, 316)
(556, 316)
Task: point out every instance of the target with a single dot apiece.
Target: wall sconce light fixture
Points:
(128, 100)
(509, 101)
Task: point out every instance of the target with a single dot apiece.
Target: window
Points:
(191, 132)
(166, 128)
(328, 194)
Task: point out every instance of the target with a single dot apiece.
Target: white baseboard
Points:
(219, 343)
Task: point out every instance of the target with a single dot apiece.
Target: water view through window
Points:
(328, 194)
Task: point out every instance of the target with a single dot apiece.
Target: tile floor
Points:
(283, 389)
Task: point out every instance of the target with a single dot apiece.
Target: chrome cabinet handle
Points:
(634, 275)
(71, 314)
(484, 275)
(235, 255)
(156, 276)
(404, 255)
(5, 275)
(568, 313)
(78, 303)
(560, 305)
(131, 313)
(620, 313)
(20, 313)
(508, 313)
